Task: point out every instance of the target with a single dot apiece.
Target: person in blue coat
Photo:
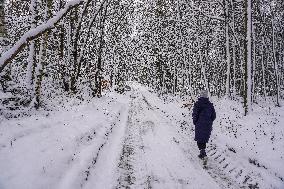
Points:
(203, 116)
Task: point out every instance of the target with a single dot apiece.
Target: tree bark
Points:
(228, 55)
(248, 57)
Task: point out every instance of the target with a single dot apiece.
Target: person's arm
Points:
(195, 113)
(213, 116)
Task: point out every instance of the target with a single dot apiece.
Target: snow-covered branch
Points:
(205, 14)
(36, 32)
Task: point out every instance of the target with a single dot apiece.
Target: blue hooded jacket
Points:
(203, 116)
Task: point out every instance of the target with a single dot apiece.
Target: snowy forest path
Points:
(135, 140)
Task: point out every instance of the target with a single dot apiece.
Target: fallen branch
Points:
(35, 33)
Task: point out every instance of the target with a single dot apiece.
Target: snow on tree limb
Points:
(205, 14)
(35, 33)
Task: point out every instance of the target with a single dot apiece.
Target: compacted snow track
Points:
(102, 147)
(150, 157)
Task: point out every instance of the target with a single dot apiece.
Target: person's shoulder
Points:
(196, 103)
(211, 104)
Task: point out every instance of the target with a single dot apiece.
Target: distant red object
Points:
(105, 84)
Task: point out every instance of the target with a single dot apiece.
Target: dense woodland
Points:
(233, 48)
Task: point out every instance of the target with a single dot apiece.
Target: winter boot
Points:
(202, 154)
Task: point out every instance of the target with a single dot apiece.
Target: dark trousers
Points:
(201, 146)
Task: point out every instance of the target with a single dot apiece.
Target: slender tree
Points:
(2, 19)
(248, 57)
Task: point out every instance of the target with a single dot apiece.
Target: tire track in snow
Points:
(104, 173)
(128, 157)
(86, 160)
(146, 161)
(133, 168)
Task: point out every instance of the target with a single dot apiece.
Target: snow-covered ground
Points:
(139, 141)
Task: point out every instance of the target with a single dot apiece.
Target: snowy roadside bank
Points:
(37, 151)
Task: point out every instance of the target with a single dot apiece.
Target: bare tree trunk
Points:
(64, 71)
(253, 65)
(2, 20)
(31, 58)
(42, 59)
(263, 68)
(98, 78)
(228, 56)
(40, 72)
(248, 57)
(77, 55)
(275, 63)
(234, 48)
